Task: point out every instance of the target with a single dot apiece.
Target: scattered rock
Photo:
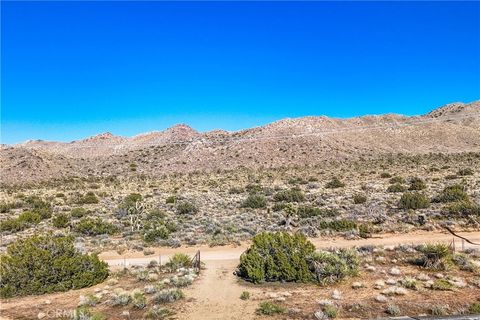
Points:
(41, 315)
(381, 298)
(379, 284)
(394, 271)
(336, 295)
(391, 281)
(357, 285)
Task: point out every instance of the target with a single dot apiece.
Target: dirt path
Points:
(216, 295)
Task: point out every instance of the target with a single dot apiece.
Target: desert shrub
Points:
(435, 256)
(270, 308)
(254, 188)
(292, 195)
(60, 220)
(187, 208)
(7, 206)
(442, 285)
(417, 184)
(255, 201)
(338, 225)
(171, 199)
(439, 310)
(465, 172)
(88, 198)
(157, 312)
(35, 204)
(335, 183)
(130, 201)
(410, 283)
(179, 260)
(365, 230)
(93, 227)
(277, 256)
(451, 194)
(279, 206)
(393, 310)
(245, 295)
(152, 235)
(45, 264)
(465, 263)
(78, 212)
(30, 217)
(121, 298)
(138, 300)
(12, 225)
(311, 211)
(330, 267)
(168, 295)
(413, 200)
(359, 198)
(330, 311)
(397, 179)
(385, 175)
(396, 188)
(474, 308)
(463, 209)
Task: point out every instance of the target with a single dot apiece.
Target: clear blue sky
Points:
(73, 69)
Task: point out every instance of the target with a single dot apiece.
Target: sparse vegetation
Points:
(413, 200)
(270, 308)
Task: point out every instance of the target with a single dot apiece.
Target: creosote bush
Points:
(414, 200)
(88, 198)
(270, 308)
(93, 227)
(396, 188)
(359, 198)
(292, 195)
(417, 184)
(42, 264)
(255, 201)
(61, 220)
(451, 194)
(187, 208)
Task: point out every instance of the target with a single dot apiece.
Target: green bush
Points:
(442, 285)
(397, 179)
(45, 264)
(93, 227)
(61, 220)
(30, 217)
(179, 260)
(88, 198)
(168, 295)
(187, 208)
(12, 225)
(465, 172)
(335, 183)
(277, 256)
(463, 209)
(39, 206)
(269, 308)
(451, 194)
(78, 212)
(359, 198)
(338, 225)
(396, 188)
(330, 267)
(413, 200)
(435, 256)
(330, 311)
(474, 308)
(160, 232)
(255, 201)
(245, 295)
(417, 184)
(310, 211)
(292, 195)
(130, 201)
(171, 199)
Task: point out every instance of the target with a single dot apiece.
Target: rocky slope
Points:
(300, 141)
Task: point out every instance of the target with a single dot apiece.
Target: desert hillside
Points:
(290, 142)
